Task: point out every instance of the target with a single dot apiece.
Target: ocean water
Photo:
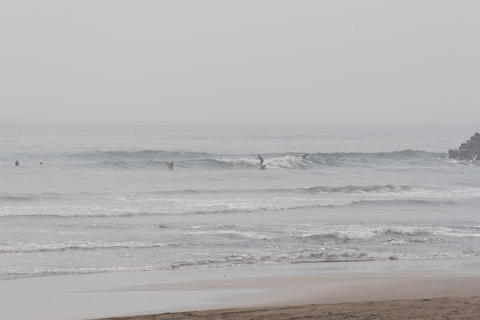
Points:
(104, 199)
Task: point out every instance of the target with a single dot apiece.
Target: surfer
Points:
(305, 156)
(261, 159)
(170, 165)
(17, 163)
(262, 166)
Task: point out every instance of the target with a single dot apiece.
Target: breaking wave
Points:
(349, 189)
(365, 233)
(360, 189)
(124, 159)
(32, 247)
(227, 260)
(217, 210)
(327, 237)
(26, 197)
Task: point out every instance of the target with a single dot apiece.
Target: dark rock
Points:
(469, 150)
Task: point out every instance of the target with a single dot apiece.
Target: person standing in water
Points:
(170, 165)
(17, 164)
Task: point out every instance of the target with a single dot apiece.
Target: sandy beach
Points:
(401, 294)
(435, 308)
(399, 290)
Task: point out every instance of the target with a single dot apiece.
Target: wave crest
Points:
(131, 159)
(359, 189)
(32, 247)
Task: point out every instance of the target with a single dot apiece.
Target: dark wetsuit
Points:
(261, 160)
(262, 166)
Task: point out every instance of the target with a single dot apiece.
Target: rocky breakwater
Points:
(469, 150)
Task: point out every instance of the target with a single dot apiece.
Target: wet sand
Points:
(431, 309)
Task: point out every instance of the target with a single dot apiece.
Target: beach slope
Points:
(432, 309)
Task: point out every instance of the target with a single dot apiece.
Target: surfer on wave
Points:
(262, 165)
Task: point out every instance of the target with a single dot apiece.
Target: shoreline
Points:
(109, 295)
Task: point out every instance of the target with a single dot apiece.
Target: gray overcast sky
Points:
(302, 61)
